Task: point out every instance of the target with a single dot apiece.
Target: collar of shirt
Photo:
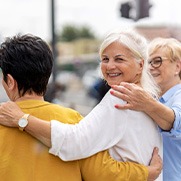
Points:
(169, 93)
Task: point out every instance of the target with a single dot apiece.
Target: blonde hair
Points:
(171, 46)
(138, 45)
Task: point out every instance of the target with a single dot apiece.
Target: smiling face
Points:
(118, 64)
(167, 75)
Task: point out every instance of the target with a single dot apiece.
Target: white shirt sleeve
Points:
(98, 131)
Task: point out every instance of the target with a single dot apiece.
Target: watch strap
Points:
(25, 116)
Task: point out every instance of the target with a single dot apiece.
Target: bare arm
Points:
(140, 100)
(10, 113)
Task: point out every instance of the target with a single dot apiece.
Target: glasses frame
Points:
(151, 62)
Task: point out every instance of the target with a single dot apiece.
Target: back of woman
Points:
(138, 138)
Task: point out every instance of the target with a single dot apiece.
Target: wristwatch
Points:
(23, 122)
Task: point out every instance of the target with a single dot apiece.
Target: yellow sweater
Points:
(23, 158)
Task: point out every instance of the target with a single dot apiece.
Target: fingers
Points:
(121, 92)
(156, 158)
(121, 89)
(123, 97)
(155, 154)
(9, 105)
(129, 86)
(123, 107)
(118, 94)
(155, 151)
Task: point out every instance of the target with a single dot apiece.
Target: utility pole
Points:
(54, 50)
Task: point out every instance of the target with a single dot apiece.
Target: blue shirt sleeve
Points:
(176, 130)
(174, 102)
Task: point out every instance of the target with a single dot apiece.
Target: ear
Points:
(141, 64)
(178, 67)
(11, 82)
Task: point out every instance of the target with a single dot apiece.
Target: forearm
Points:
(111, 169)
(139, 100)
(88, 132)
(10, 115)
(39, 129)
(161, 114)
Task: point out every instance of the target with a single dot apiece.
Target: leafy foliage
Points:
(71, 32)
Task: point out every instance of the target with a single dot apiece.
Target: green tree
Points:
(84, 32)
(72, 32)
(68, 33)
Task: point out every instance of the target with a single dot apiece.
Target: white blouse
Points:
(129, 135)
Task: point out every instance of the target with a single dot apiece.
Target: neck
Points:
(166, 88)
(28, 97)
(137, 79)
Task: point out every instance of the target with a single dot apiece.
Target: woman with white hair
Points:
(165, 66)
(129, 135)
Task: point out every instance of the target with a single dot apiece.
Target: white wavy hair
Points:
(138, 45)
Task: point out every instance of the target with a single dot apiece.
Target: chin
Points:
(112, 83)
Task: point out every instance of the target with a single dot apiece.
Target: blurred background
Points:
(74, 29)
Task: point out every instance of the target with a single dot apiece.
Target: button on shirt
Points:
(172, 139)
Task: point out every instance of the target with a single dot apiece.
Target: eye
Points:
(150, 61)
(119, 59)
(156, 61)
(105, 60)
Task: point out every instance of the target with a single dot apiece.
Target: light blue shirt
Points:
(172, 139)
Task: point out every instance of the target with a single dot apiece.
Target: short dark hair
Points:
(29, 60)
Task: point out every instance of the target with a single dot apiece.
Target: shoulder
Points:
(63, 114)
(112, 99)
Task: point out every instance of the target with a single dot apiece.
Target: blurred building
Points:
(151, 32)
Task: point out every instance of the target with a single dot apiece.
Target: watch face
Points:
(22, 122)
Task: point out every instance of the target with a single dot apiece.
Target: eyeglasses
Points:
(156, 62)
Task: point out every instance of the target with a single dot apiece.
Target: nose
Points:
(111, 64)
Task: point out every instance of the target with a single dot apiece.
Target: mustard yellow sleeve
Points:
(101, 167)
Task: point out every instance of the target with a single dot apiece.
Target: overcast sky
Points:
(33, 16)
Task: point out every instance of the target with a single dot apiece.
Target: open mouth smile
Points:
(113, 74)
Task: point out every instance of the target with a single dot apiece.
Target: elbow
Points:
(166, 127)
(63, 157)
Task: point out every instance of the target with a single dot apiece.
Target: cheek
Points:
(164, 72)
(103, 68)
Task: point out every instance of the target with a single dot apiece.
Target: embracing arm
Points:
(65, 139)
(140, 100)
(98, 131)
(39, 129)
(111, 169)
(10, 113)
